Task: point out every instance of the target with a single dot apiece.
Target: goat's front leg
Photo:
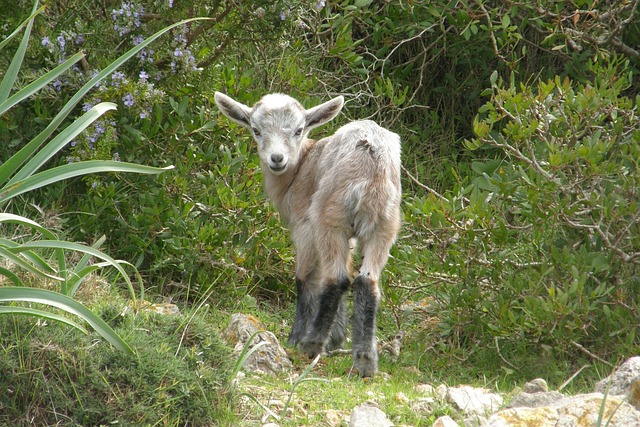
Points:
(324, 333)
(306, 309)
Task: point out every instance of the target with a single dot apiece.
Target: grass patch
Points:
(51, 374)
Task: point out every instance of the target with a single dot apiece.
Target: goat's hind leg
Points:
(366, 299)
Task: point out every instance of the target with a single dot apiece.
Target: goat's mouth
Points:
(278, 169)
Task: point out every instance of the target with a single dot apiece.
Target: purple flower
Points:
(57, 84)
(128, 100)
(94, 185)
(283, 16)
(144, 114)
(137, 40)
(320, 4)
(170, 3)
(61, 41)
(178, 52)
(143, 75)
(45, 41)
(80, 39)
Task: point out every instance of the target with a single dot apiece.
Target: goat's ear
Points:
(233, 109)
(321, 114)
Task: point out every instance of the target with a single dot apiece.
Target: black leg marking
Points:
(306, 308)
(365, 308)
(339, 329)
(330, 300)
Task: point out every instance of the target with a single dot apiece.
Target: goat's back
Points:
(357, 179)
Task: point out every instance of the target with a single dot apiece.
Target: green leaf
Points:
(77, 247)
(72, 170)
(54, 299)
(14, 67)
(62, 139)
(43, 314)
(15, 32)
(39, 83)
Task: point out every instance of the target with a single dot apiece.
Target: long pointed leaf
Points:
(80, 270)
(42, 296)
(32, 257)
(39, 83)
(26, 222)
(43, 314)
(9, 253)
(11, 275)
(12, 165)
(17, 219)
(72, 170)
(15, 32)
(62, 139)
(71, 246)
(12, 72)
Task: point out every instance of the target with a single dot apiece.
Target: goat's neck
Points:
(277, 187)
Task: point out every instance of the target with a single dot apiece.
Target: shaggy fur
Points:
(331, 191)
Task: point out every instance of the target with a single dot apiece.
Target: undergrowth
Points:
(51, 374)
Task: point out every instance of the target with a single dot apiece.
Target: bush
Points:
(539, 253)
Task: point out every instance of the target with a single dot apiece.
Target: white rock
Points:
(575, 411)
(423, 406)
(538, 385)
(269, 358)
(368, 416)
(426, 389)
(473, 401)
(445, 421)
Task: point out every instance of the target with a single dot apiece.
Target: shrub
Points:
(539, 253)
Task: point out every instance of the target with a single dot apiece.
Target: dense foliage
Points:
(520, 133)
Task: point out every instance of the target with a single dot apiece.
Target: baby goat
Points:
(328, 192)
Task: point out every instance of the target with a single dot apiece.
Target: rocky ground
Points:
(614, 402)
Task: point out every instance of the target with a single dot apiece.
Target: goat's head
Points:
(279, 125)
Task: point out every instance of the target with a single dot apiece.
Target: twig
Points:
(566, 383)
(431, 190)
(595, 356)
(495, 339)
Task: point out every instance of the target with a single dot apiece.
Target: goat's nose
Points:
(277, 158)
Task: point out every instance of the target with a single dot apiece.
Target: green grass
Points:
(51, 374)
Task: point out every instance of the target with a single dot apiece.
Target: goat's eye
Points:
(298, 132)
(256, 132)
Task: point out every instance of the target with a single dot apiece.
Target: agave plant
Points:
(22, 173)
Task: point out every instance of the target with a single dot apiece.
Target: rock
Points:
(536, 386)
(400, 397)
(425, 389)
(445, 421)
(622, 380)
(535, 400)
(474, 421)
(368, 416)
(440, 392)
(575, 411)
(167, 309)
(333, 418)
(269, 358)
(423, 406)
(473, 401)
